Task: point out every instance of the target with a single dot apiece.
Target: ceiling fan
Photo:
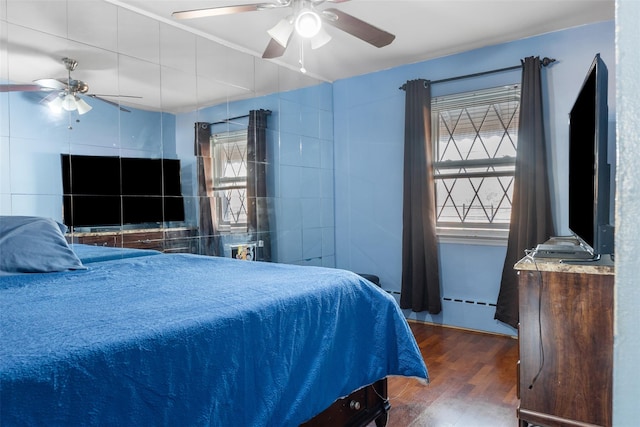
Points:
(65, 92)
(305, 20)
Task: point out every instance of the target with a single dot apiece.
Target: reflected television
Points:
(102, 191)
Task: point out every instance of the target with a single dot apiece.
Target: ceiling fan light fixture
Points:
(69, 102)
(82, 106)
(320, 39)
(308, 23)
(56, 104)
(281, 32)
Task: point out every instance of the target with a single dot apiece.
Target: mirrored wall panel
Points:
(136, 133)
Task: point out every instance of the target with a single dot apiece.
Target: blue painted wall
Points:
(369, 133)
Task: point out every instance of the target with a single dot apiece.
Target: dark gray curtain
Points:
(257, 201)
(206, 202)
(420, 271)
(531, 220)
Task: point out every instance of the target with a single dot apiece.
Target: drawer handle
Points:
(354, 404)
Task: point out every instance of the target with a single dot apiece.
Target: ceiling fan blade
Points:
(21, 88)
(51, 84)
(50, 97)
(358, 28)
(216, 11)
(274, 49)
(98, 95)
(115, 104)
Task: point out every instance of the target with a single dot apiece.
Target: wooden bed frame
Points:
(356, 410)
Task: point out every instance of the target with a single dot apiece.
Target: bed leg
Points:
(381, 421)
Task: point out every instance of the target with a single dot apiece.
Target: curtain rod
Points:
(545, 61)
(228, 120)
(236, 118)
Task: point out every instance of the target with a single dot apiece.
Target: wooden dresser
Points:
(160, 239)
(565, 342)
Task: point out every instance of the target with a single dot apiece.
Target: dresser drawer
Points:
(164, 240)
(110, 240)
(143, 240)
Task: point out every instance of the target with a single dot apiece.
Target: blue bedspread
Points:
(188, 340)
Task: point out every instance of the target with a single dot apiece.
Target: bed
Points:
(113, 336)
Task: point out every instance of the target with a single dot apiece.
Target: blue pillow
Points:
(30, 244)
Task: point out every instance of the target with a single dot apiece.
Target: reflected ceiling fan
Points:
(305, 20)
(66, 93)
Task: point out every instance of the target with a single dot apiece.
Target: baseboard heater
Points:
(466, 301)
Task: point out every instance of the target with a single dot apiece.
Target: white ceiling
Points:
(424, 29)
(40, 32)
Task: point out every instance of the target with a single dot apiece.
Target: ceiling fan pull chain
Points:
(302, 69)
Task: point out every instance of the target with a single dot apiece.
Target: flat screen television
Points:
(102, 191)
(589, 169)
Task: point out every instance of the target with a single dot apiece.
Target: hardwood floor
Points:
(472, 381)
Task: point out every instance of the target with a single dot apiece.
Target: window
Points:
(475, 140)
(230, 179)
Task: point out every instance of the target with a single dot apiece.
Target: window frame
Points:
(221, 183)
(485, 233)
